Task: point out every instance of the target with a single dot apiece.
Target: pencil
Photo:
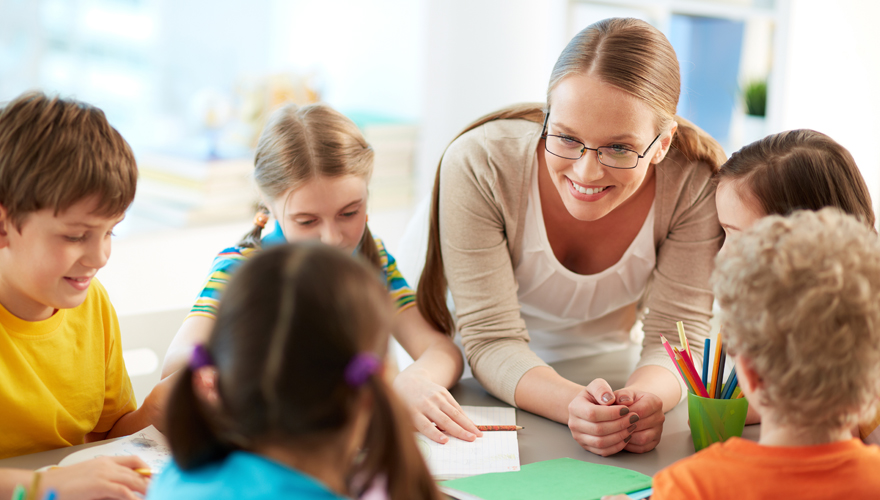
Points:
(35, 485)
(741, 395)
(706, 363)
(672, 356)
(699, 389)
(50, 495)
(19, 492)
(144, 471)
(499, 427)
(682, 368)
(683, 338)
(721, 362)
(715, 366)
(731, 385)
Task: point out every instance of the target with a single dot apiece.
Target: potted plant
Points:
(755, 102)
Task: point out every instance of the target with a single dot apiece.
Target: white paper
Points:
(149, 444)
(496, 451)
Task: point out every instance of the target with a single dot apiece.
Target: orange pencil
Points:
(699, 388)
(715, 374)
(688, 380)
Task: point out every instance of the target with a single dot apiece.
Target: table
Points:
(541, 439)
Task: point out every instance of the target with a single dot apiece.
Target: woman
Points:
(551, 234)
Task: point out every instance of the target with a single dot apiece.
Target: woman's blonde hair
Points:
(299, 144)
(798, 299)
(629, 54)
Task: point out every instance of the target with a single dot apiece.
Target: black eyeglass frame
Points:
(545, 135)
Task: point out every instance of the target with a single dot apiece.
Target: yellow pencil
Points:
(684, 341)
(715, 374)
(144, 471)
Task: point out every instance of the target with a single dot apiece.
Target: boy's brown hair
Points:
(799, 300)
(56, 152)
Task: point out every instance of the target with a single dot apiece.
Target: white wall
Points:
(481, 56)
(830, 72)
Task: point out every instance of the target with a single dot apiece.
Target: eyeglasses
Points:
(572, 149)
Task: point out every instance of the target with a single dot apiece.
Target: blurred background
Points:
(189, 82)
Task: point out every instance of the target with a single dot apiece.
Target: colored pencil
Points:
(706, 363)
(688, 381)
(18, 493)
(685, 347)
(144, 471)
(699, 389)
(35, 485)
(499, 427)
(715, 366)
(50, 495)
(736, 391)
(672, 356)
(741, 395)
(721, 362)
(729, 385)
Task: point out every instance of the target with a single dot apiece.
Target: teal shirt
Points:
(241, 476)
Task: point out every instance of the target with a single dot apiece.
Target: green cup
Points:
(715, 420)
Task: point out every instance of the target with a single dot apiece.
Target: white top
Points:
(570, 315)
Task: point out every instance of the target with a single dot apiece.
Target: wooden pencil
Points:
(683, 338)
(715, 366)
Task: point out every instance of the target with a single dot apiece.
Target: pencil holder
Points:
(715, 420)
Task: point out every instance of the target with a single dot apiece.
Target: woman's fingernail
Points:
(631, 428)
(624, 399)
(633, 419)
(624, 411)
(626, 439)
(607, 397)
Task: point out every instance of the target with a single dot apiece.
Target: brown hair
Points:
(280, 348)
(800, 170)
(56, 152)
(798, 299)
(651, 74)
(299, 144)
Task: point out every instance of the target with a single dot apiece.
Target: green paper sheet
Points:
(559, 479)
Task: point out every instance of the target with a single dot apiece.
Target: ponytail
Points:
(253, 239)
(696, 145)
(368, 248)
(190, 433)
(431, 292)
(391, 450)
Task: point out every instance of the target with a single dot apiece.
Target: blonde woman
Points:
(312, 168)
(549, 222)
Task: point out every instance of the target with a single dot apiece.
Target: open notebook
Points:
(496, 451)
(149, 444)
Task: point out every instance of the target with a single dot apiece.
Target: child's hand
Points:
(431, 403)
(97, 479)
(156, 401)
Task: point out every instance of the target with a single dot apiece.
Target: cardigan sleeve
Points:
(479, 271)
(679, 288)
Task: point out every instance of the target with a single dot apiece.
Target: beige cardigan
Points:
(484, 184)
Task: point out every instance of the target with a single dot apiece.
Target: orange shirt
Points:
(742, 469)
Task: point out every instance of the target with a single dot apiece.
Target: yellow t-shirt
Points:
(61, 378)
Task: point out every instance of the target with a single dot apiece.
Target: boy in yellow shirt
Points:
(66, 179)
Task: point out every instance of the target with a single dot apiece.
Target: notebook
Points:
(496, 451)
(559, 479)
(149, 444)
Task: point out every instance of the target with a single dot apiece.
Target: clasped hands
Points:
(605, 422)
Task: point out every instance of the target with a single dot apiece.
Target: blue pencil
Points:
(706, 352)
(50, 495)
(731, 385)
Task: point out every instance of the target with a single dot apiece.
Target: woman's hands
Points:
(431, 403)
(605, 422)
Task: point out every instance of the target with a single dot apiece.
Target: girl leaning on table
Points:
(312, 168)
(549, 223)
(287, 398)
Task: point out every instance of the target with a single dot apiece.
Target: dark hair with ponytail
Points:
(649, 72)
(280, 348)
(299, 144)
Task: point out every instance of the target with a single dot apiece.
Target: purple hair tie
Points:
(360, 368)
(200, 357)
